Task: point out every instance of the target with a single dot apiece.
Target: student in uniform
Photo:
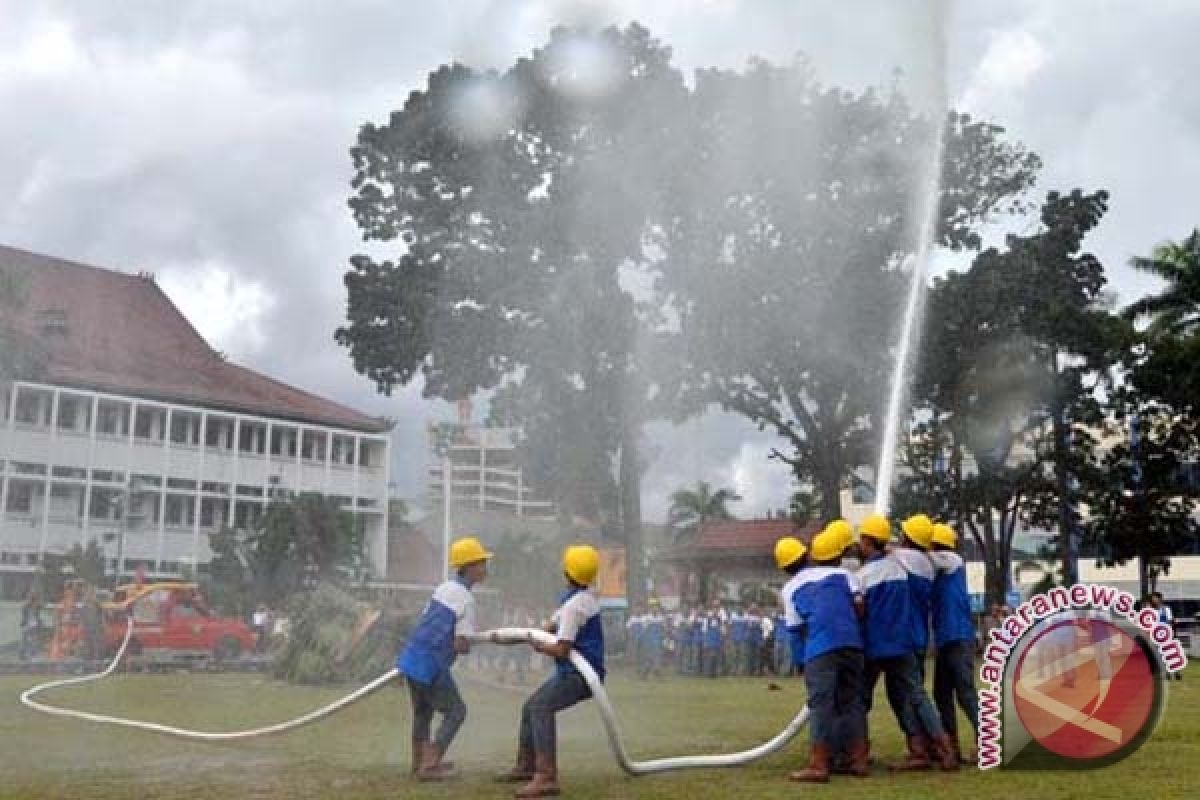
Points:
(654, 636)
(435, 642)
(1167, 617)
(890, 649)
(954, 638)
(577, 625)
(822, 604)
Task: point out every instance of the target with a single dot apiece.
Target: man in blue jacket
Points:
(954, 638)
(890, 650)
(822, 603)
(437, 639)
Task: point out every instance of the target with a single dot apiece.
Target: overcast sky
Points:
(207, 142)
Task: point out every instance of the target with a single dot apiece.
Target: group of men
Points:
(443, 632)
(711, 642)
(848, 629)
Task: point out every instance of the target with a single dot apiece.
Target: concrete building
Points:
(481, 463)
(139, 435)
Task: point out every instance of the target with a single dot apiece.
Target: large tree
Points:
(788, 244)
(521, 203)
(1005, 394)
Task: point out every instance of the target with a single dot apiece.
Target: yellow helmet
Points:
(465, 551)
(944, 535)
(841, 529)
(581, 562)
(788, 551)
(829, 544)
(919, 528)
(876, 527)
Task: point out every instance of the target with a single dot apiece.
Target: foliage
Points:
(328, 641)
(300, 541)
(691, 508)
(1005, 392)
(1175, 310)
(787, 251)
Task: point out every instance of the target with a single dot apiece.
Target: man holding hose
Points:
(438, 638)
(577, 626)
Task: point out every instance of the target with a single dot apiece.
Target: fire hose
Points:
(500, 636)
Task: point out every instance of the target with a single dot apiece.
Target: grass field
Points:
(363, 752)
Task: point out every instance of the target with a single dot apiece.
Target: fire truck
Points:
(171, 620)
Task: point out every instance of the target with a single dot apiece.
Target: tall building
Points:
(139, 435)
(483, 471)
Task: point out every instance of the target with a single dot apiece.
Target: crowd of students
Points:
(723, 639)
(845, 630)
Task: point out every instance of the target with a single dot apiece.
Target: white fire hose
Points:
(502, 636)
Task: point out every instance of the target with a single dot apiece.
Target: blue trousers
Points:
(559, 692)
(441, 696)
(905, 692)
(954, 675)
(834, 683)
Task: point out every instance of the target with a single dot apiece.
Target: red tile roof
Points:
(120, 333)
(747, 535)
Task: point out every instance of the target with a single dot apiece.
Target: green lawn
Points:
(363, 752)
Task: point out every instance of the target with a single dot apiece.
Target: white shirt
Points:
(574, 614)
(458, 598)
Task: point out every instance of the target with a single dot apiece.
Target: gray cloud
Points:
(211, 138)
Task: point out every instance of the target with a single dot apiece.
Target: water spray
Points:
(501, 636)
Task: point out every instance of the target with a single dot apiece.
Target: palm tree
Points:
(1175, 309)
(691, 508)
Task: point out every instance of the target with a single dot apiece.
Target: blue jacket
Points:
(578, 619)
(429, 652)
(950, 601)
(887, 617)
(820, 608)
(920, 580)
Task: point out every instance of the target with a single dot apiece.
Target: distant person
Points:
(31, 625)
(259, 623)
(578, 627)
(437, 639)
(1167, 617)
(91, 619)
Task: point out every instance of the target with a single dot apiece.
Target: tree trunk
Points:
(630, 482)
(1066, 513)
(829, 484)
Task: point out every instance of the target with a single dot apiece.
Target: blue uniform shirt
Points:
(429, 651)
(578, 620)
(819, 606)
(920, 580)
(887, 617)
(950, 601)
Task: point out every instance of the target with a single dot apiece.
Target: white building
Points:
(484, 474)
(139, 435)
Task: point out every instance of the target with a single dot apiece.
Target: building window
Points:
(313, 448)
(218, 433)
(105, 503)
(74, 413)
(283, 441)
(185, 428)
(20, 497)
(252, 438)
(180, 510)
(213, 512)
(150, 423)
(33, 406)
(112, 418)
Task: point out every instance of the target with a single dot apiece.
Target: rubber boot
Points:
(432, 767)
(817, 770)
(418, 755)
(945, 750)
(917, 758)
(522, 771)
(545, 778)
(860, 759)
